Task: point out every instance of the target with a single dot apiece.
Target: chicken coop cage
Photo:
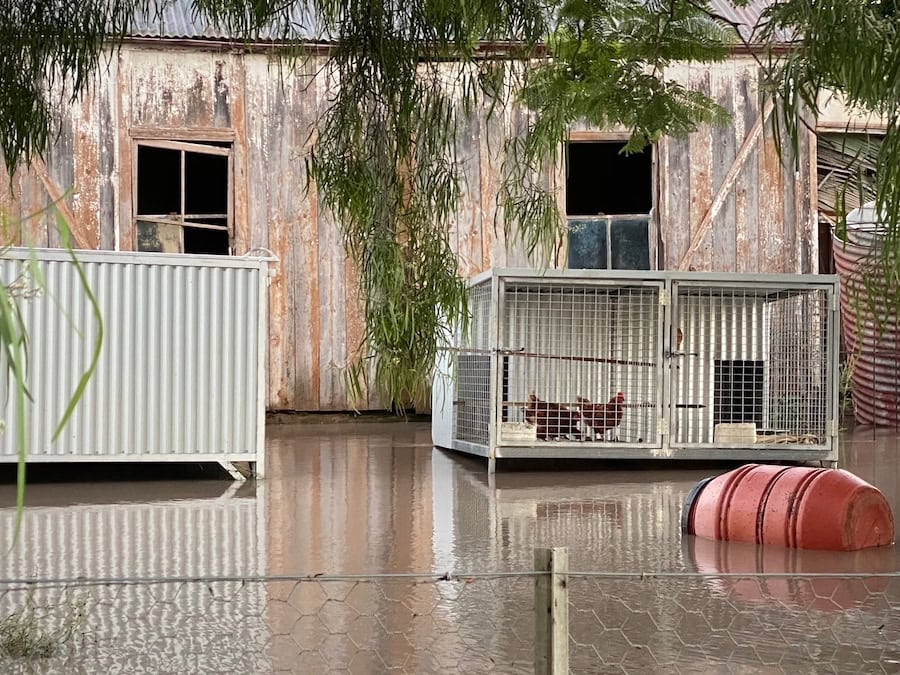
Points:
(629, 365)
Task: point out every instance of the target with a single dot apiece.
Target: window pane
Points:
(158, 181)
(205, 183)
(630, 245)
(601, 180)
(587, 244)
(200, 240)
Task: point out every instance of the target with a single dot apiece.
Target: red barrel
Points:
(793, 506)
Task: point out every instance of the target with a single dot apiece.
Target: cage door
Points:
(749, 365)
(579, 362)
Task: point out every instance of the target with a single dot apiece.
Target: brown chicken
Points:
(552, 419)
(603, 416)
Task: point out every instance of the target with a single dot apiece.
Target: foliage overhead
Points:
(850, 47)
(412, 72)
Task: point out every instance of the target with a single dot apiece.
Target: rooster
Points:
(602, 416)
(552, 419)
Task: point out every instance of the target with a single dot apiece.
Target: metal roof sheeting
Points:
(179, 19)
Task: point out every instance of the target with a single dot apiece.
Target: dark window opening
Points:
(609, 196)
(205, 183)
(601, 180)
(200, 241)
(183, 195)
(159, 181)
(738, 392)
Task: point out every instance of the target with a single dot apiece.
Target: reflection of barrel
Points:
(796, 506)
(789, 575)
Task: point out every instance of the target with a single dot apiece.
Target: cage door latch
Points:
(664, 296)
(664, 426)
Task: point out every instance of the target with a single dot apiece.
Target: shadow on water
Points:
(102, 472)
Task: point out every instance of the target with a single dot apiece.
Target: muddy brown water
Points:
(369, 498)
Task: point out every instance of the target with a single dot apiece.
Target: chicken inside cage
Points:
(582, 364)
(666, 365)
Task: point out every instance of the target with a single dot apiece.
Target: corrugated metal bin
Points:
(181, 375)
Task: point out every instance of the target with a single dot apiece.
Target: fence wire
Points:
(629, 623)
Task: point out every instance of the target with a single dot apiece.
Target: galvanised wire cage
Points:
(599, 364)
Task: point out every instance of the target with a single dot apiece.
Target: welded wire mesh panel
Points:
(749, 366)
(797, 386)
(473, 370)
(579, 363)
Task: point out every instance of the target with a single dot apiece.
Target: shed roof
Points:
(179, 19)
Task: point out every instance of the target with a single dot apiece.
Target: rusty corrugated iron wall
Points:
(212, 92)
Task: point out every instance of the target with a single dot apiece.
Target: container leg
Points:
(492, 465)
(232, 470)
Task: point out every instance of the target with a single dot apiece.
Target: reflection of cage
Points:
(653, 364)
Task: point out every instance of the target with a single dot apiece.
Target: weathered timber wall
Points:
(315, 326)
(764, 219)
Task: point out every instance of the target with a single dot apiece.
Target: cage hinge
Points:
(834, 428)
(664, 426)
(664, 296)
(832, 302)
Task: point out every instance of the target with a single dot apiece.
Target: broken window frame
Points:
(182, 219)
(609, 220)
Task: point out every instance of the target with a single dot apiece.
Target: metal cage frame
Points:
(488, 348)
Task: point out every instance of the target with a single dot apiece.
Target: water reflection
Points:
(142, 529)
(371, 498)
(123, 531)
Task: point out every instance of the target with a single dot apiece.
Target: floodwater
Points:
(361, 499)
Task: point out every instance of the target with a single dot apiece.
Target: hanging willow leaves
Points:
(405, 76)
(852, 48)
(29, 286)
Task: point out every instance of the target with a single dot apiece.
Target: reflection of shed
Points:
(155, 531)
(192, 141)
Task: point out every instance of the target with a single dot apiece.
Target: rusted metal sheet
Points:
(470, 223)
(746, 187)
(316, 323)
(771, 211)
(726, 166)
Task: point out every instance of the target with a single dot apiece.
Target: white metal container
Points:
(643, 364)
(181, 375)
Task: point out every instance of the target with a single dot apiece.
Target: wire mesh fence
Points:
(478, 623)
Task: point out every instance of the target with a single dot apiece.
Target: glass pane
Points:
(203, 241)
(587, 244)
(630, 244)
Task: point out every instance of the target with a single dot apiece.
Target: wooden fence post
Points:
(551, 612)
